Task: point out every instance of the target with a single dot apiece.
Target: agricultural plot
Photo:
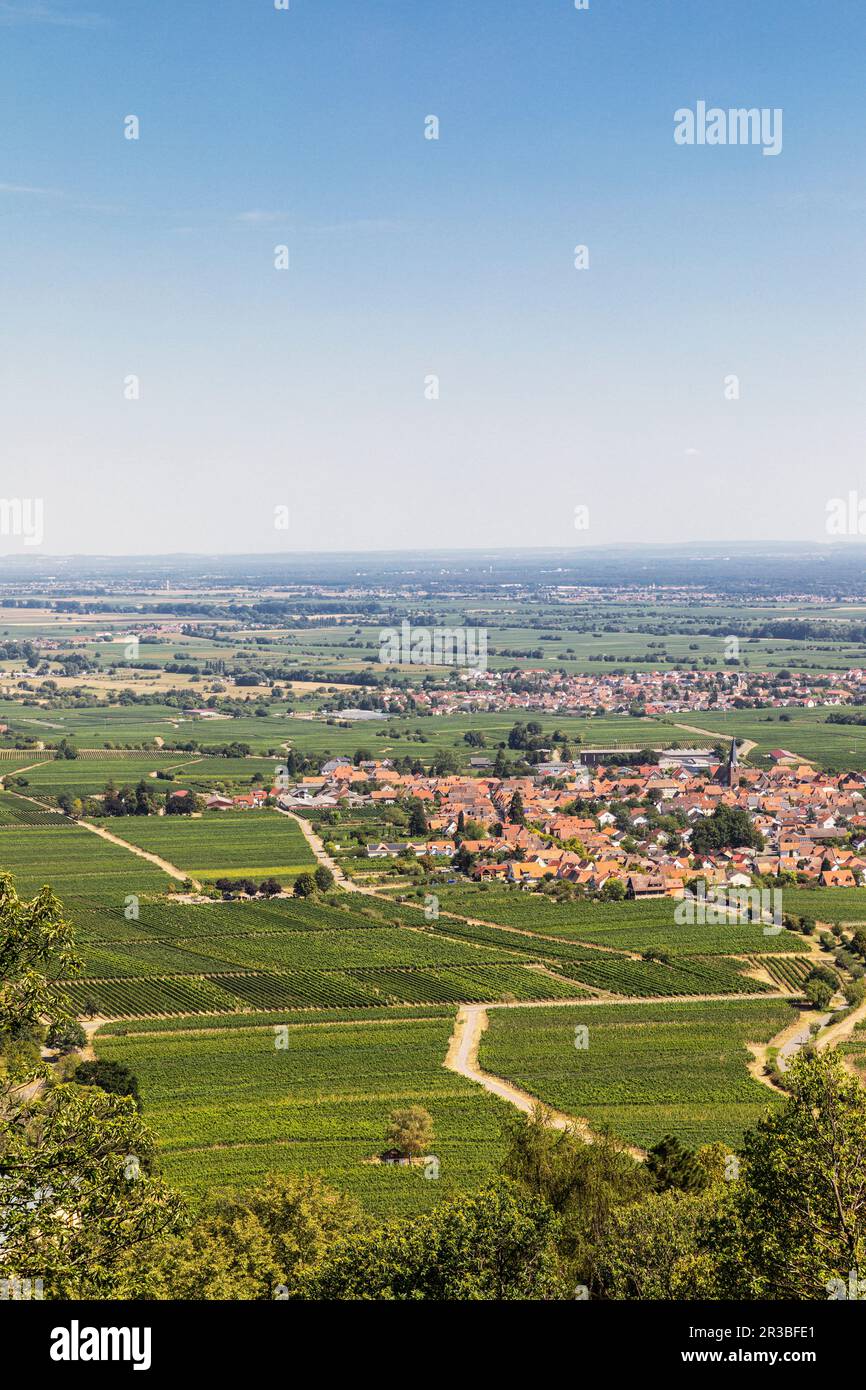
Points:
(88, 776)
(255, 844)
(160, 918)
(197, 1023)
(786, 972)
(648, 1070)
(79, 865)
(228, 1107)
(614, 972)
(15, 810)
(827, 904)
(178, 958)
(341, 950)
(804, 732)
(627, 926)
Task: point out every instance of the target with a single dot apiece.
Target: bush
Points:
(113, 1077)
(66, 1037)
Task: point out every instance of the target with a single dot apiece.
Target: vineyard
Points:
(787, 973)
(14, 810)
(648, 1070)
(627, 926)
(229, 1106)
(254, 844)
(77, 864)
(290, 1018)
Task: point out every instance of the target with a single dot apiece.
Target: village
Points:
(618, 831)
(617, 692)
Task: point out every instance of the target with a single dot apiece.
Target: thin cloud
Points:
(27, 188)
(256, 216)
(38, 13)
(359, 224)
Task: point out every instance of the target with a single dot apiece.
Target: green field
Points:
(228, 1107)
(626, 926)
(76, 863)
(804, 732)
(648, 1070)
(90, 772)
(827, 904)
(258, 844)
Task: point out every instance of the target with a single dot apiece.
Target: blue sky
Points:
(304, 388)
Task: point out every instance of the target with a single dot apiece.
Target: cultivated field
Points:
(648, 1070)
(258, 843)
(228, 1107)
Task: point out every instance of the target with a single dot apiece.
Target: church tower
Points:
(733, 770)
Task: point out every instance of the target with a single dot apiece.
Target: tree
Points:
(648, 1249)
(797, 1217)
(66, 1037)
(463, 860)
(305, 886)
(672, 1166)
(270, 887)
(417, 820)
(726, 828)
(817, 991)
(324, 878)
(582, 1183)
(496, 1244)
(501, 767)
(251, 1244)
(516, 813)
(410, 1131)
(78, 1195)
(36, 947)
(113, 1077)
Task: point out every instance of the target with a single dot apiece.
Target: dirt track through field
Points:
(171, 869)
(717, 735)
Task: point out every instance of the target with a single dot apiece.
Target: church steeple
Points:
(733, 765)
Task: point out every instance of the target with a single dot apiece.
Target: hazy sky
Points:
(305, 388)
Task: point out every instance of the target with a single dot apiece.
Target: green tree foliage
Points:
(417, 820)
(797, 1216)
(670, 1165)
(78, 1194)
(726, 828)
(582, 1183)
(250, 1245)
(324, 878)
(410, 1131)
(66, 1037)
(112, 1077)
(305, 886)
(648, 1249)
(36, 946)
(498, 1244)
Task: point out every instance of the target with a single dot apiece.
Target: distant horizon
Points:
(575, 553)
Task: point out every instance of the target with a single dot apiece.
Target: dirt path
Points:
(171, 869)
(788, 1041)
(743, 750)
(473, 1019)
(340, 878)
(462, 1057)
(842, 1030)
